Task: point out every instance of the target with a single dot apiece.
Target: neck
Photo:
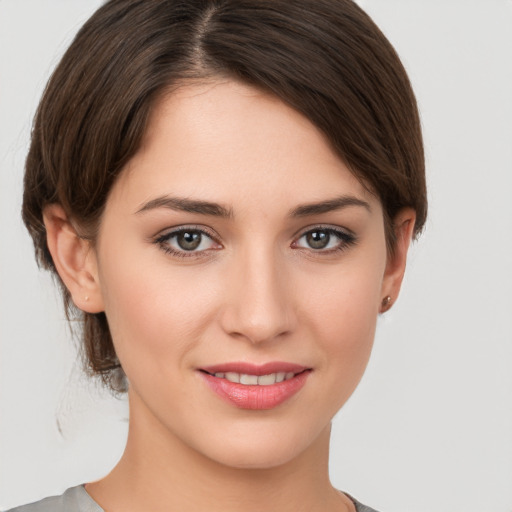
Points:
(159, 472)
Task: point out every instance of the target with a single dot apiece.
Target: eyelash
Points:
(345, 240)
(164, 239)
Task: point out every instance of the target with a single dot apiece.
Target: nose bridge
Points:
(258, 307)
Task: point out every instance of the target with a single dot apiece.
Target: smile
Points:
(248, 386)
(255, 380)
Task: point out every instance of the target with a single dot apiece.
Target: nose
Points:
(259, 300)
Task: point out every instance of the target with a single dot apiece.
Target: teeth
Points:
(280, 376)
(248, 379)
(255, 380)
(267, 380)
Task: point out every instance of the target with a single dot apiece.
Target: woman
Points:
(226, 191)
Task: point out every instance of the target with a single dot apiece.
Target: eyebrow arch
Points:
(329, 205)
(183, 204)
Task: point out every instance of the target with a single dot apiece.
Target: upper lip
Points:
(254, 369)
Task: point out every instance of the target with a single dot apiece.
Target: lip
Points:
(254, 369)
(255, 397)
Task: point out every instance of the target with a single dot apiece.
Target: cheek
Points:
(155, 312)
(342, 316)
(347, 301)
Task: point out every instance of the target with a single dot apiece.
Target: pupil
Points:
(189, 240)
(318, 239)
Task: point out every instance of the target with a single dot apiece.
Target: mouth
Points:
(246, 379)
(253, 387)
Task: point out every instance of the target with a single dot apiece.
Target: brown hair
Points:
(325, 58)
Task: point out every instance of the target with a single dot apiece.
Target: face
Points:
(236, 246)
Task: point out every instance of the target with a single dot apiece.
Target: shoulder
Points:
(74, 499)
(363, 508)
(359, 506)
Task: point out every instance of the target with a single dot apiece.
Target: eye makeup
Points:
(197, 241)
(188, 241)
(325, 240)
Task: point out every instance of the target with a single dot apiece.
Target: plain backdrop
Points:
(430, 427)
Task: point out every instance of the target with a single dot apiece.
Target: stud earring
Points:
(386, 303)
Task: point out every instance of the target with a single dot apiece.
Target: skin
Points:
(255, 291)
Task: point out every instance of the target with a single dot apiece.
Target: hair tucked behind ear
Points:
(325, 58)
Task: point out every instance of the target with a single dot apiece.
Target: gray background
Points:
(430, 427)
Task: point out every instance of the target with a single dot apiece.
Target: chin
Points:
(265, 450)
(255, 458)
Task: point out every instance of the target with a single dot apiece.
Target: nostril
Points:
(256, 306)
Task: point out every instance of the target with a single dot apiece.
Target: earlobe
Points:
(403, 224)
(74, 260)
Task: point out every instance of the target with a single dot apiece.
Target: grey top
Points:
(76, 499)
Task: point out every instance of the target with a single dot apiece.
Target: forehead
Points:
(225, 141)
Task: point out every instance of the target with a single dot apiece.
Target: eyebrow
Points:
(329, 205)
(183, 204)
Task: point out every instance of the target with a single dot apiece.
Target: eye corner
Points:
(199, 243)
(343, 239)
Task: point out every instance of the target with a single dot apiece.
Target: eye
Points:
(187, 242)
(324, 239)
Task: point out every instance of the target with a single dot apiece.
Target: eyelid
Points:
(184, 227)
(346, 237)
(161, 239)
(327, 227)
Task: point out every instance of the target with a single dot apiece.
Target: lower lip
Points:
(256, 397)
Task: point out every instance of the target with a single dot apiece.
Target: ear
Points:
(403, 225)
(74, 259)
